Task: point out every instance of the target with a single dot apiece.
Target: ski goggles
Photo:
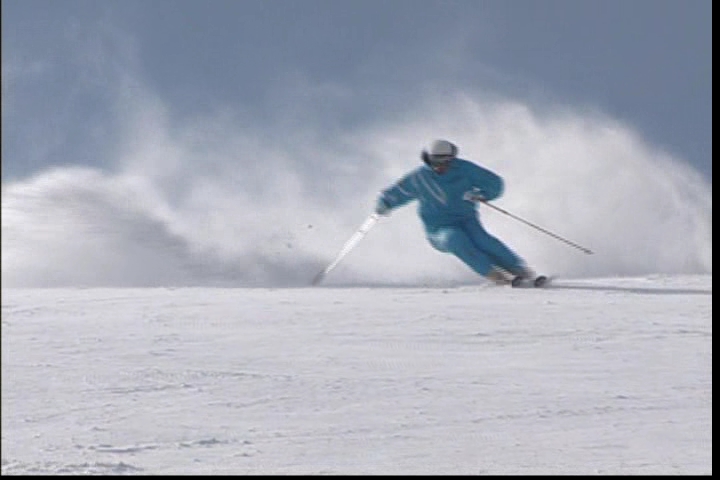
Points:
(439, 160)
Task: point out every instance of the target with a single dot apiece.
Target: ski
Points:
(538, 282)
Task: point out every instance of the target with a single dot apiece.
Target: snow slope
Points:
(592, 376)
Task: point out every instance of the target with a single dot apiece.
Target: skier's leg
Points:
(456, 241)
(498, 252)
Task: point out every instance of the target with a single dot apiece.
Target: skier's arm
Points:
(487, 184)
(396, 195)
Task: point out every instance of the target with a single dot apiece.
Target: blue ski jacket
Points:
(444, 199)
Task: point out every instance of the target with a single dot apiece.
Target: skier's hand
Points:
(475, 195)
(382, 208)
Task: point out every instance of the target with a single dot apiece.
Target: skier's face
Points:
(440, 163)
(442, 168)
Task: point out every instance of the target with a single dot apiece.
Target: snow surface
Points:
(591, 376)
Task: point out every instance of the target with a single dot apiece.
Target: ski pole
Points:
(349, 245)
(585, 250)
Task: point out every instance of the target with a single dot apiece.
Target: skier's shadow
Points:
(637, 290)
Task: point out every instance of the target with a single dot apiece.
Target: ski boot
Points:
(526, 277)
(499, 276)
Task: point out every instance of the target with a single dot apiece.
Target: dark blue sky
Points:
(647, 63)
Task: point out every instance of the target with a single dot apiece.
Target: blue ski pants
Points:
(474, 246)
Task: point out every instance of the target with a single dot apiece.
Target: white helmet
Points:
(443, 148)
(440, 153)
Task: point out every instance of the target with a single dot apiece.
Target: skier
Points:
(448, 189)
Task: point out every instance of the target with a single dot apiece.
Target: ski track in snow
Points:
(593, 376)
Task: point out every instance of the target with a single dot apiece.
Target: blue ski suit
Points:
(449, 215)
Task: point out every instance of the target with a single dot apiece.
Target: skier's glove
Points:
(382, 208)
(475, 195)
